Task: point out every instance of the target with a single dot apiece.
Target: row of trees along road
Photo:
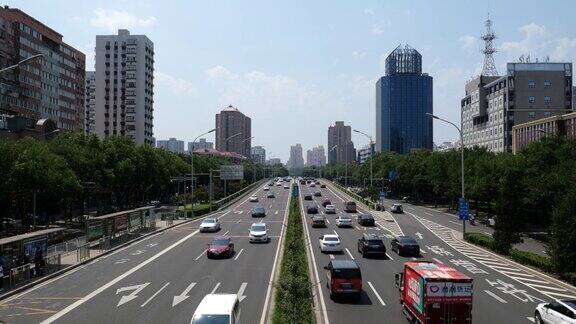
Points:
(534, 190)
(73, 171)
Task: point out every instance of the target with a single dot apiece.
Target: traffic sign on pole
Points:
(463, 209)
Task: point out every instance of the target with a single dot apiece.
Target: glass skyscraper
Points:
(403, 97)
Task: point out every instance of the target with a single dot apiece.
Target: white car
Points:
(561, 311)
(266, 188)
(330, 209)
(312, 185)
(286, 186)
(210, 225)
(279, 183)
(330, 243)
(253, 198)
(217, 308)
(258, 232)
(344, 221)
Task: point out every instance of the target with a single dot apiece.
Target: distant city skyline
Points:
(319, 72)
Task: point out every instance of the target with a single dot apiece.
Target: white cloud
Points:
(377, 30)
(468, 42)
(358, 55)
(112, 20)
(220, 72)
(177, 86)
(369, 12)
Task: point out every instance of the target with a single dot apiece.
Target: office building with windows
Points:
(316, 156)
(530, 91)
(233, 131)
(200, 144)
(172, 144)
(90, 103)
(296, 160)
(403, 97)
(50, 87)
(340, 146)
(125, 86)
(258, 154)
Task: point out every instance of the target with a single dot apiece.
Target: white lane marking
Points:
(226, 233)
(438, 261)
(99, 290)
(155, 294)
(271, 280)
(350, 254)
(332, 257)
(240, 212)
(427, 213)
(453, 222)
(133, 295)
(358, 228)
(201, 254)
(183, 296)
(498, 298)
(226, 213)
(376, 293)
(531, 319)
(240, 293)
(240, 220)
(423, 252)
(215, 288)
(327, 221)
(419, 235)
(389, 257)
(276, 212)
(238, 255)
(335, 232)
(414, 259)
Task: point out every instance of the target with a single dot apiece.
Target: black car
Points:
(312, 209)
(365, 220)
(371, 244)
(318, 194)
(271, 195)
(258, 211)
(307, 197)
(322, 186)
(405, 245)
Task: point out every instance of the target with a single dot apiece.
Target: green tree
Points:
(562, 245)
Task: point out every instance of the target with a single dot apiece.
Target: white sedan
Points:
(209, 225)
(330, 243)
(344, 221)
(258, 232)
(266, 188)
(253, 198)
(561, 311)
(330, 209)
(286, 186)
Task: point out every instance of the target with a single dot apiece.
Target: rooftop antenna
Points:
(489, 68)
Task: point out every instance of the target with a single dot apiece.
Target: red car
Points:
(326, 202)
(220, 247)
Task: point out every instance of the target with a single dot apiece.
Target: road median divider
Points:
(293, 299)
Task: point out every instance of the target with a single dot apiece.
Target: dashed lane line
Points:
(349, 254)
(215, 288)
(238, 255)
(376, 293)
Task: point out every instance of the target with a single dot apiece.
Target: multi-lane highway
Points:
(162, 278)
(504, 292)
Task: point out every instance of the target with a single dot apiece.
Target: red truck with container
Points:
(432, 293)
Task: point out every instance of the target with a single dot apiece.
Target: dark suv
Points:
(405, 245)
(307, 197)
(311, 209)
(365, 220)
(344, 278)
(371, 244)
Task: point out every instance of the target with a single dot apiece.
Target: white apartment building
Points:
(90, 102)
(172, 145)
(125, 86)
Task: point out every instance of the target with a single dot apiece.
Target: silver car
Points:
(210, 225)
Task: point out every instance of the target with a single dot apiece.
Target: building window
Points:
(531, 99)
(547, 99)
(531, 84)
(531, 114)
(547, 114)
(547, 84)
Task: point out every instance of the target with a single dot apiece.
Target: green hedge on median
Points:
(293, 300)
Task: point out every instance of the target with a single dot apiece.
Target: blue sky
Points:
(296, 66)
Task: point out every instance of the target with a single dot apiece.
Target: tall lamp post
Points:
(192, 170)
(461, 160)
(371, 156)
(329, 151)
(250, 157)
(23, 62)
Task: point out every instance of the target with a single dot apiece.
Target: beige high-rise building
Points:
(340, 147)
(316, 156)
(125, 86)
(230, 122)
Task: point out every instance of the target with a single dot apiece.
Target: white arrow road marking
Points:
(152, 244)
(240, 212)
(422, 251)
(531, 319)
(238, 255)
(134, 294)
(419, 235)
(498, 298)
(183, 296)
(376, 293)
(137, 252)
(276, 213)
(215, 288)
(156, 293)
(241, 295)
(122, 261)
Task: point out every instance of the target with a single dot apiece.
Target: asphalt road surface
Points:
(504, 292)
(162, 278)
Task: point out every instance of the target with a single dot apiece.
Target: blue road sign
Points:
(463, 209)
(382, 195)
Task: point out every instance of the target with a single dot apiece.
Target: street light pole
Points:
(461, 160)
(332, 149)
(253, 164)
(24, 61)
(192, 171)
(371, 156)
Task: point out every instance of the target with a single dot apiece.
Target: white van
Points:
(217, 309)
